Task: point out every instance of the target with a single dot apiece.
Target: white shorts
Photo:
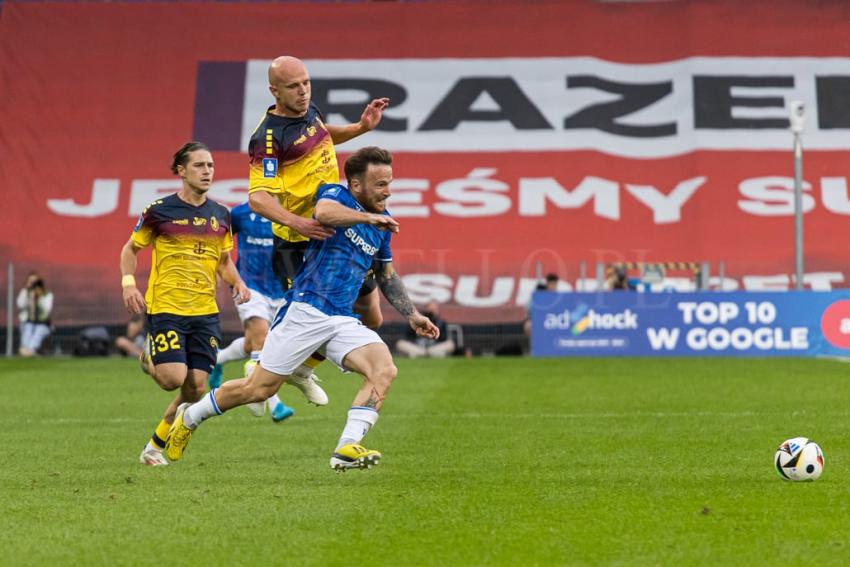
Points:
(259, 305)
(303, 330)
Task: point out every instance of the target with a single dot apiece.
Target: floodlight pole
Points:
(798, 211)
(796, 111)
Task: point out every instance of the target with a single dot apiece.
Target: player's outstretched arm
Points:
(393, 289)
(369, 120)
(227, 271)
(332, 213)
(265, 204)
(134, 301)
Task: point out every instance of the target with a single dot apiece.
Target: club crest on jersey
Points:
(269, 167)
(214, 224)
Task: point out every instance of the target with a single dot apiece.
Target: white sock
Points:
(273, 401)
(151, 447)
(233, 351)
(199, 411)
(360, 420)
(302, 371)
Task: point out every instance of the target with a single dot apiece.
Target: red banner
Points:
(554, 135)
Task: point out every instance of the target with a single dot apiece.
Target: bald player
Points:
(292, 153)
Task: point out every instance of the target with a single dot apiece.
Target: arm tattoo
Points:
(393, 289)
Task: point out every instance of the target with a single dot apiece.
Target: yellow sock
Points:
(158, 437)
(314, 360)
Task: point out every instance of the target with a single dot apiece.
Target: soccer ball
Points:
(799, 459)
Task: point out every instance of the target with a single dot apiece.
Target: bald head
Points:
(289, 84)
(285, 67)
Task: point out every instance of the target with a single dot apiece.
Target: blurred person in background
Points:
(132, 343)
(619, 280)
(549, 284)
(36, 304)
(417, 346)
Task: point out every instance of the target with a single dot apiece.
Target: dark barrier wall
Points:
(550, 133)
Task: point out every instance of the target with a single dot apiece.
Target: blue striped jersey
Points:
(334, 269)
(255, 247)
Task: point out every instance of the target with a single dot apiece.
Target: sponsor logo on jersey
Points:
(199, 221)
(259, 241)
(269, 167)
(138, 226)
(358, 241)
(180, 221)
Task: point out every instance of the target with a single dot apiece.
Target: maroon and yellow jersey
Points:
(188, 242)
(291, 158)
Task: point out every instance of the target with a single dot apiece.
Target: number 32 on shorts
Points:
(165, 341)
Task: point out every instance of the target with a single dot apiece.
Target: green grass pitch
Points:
(486, 462)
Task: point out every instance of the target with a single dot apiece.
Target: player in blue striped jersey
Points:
(320, 312)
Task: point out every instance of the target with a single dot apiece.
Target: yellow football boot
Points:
(178, 436)
(353, 456)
